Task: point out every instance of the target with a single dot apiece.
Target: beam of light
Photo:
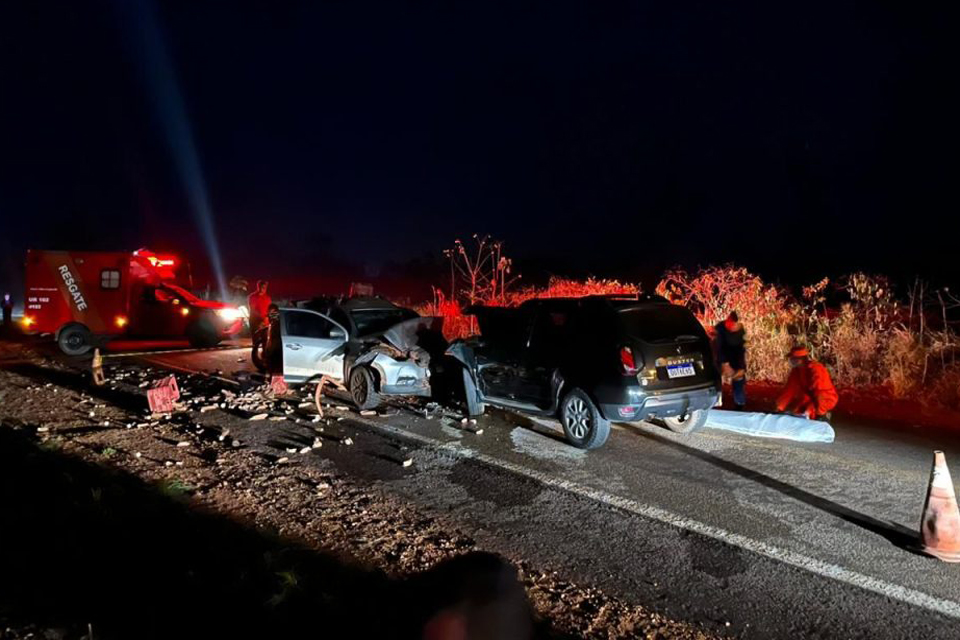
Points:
(145, 38)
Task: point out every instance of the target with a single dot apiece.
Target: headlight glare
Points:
(229, 314)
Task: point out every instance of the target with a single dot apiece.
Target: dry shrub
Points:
(944, 389)
(903, 360)
(939, 376)
(567, 288)
(764, 309)
(868, 340)
(855, 342)
(854, 349)
(455, 324)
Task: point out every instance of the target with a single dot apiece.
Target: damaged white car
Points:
(369, 344)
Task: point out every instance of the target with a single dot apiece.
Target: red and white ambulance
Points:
(84, 298)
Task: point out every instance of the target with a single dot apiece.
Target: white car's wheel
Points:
(363, 389)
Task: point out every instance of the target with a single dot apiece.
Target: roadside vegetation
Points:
(870, 336)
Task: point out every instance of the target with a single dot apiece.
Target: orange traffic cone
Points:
(940, 528)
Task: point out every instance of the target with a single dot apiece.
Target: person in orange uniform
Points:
(809, 391)
(258, 303)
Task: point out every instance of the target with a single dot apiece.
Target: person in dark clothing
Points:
(274, 347)
(732, 356)
(7, 311)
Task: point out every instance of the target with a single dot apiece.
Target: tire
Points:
(203, 334)
(583, 425)
(694, 421)
(363, 389)
(74, 340)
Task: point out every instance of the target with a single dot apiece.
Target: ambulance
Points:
(84, 299)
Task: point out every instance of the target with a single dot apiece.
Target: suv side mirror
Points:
(338, 334)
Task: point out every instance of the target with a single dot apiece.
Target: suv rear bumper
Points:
(665, 404)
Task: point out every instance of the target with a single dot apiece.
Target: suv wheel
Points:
(582, 423)
(363, 389)
(693, 421)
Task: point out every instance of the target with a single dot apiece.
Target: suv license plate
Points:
(681, 370)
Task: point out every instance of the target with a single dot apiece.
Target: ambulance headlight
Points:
(229, 314)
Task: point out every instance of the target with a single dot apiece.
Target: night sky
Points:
(614, 139)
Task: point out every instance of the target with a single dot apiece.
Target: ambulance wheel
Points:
(74, 340)
(202, 334)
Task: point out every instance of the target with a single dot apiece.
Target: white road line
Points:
(825, 569)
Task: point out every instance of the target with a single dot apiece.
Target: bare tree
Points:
(482, 268)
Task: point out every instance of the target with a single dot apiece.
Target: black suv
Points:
(591, 360)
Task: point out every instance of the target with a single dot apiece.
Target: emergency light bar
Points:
(156, 260)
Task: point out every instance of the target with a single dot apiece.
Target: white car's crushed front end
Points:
(401, 356)
(406, 377)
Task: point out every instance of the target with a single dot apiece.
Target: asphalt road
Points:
(759, 538)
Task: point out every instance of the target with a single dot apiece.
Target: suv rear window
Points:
(660, 323)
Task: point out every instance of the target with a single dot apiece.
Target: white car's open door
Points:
(313, 345)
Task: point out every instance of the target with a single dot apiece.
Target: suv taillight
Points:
(628, 362)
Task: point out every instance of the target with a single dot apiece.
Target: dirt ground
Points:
(117, 524)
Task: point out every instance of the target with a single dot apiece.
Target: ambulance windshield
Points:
(181, 292)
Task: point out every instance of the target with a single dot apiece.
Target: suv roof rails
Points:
(628, 297)
(621, 299)
(618, 296)
(645, 297)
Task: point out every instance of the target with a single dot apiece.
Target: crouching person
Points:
(809, 391)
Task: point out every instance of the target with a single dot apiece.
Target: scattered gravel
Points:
(308, 505)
